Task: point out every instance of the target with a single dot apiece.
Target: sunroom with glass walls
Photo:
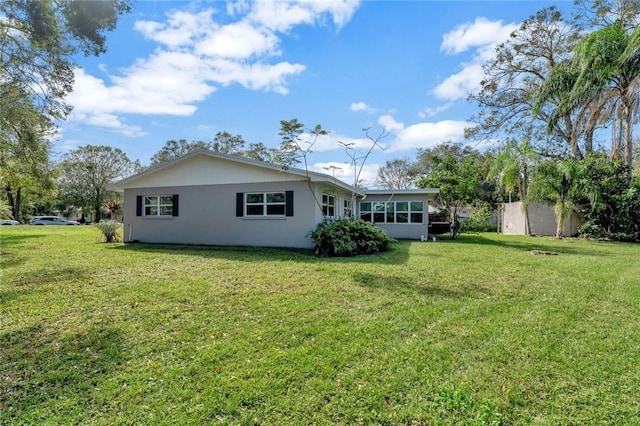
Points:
(402, 213)
(392, 211)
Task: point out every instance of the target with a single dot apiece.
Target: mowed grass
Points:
(469, 332)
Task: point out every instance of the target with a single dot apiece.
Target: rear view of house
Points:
(216, 199)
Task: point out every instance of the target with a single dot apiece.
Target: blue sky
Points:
(187, 70)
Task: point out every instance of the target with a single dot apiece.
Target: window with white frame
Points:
(392, 211)
(346, 208)
(328, 205)
(158, 205)
(265, 204)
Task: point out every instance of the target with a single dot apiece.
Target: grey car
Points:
(52, 220)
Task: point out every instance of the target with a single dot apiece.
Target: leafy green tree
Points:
(601, 13)
(297, 142)
(512, 169)
(227, 143)
(5, 210)
(24, 149)
(396, 174)
(296, 145)
(599, 82)
(258, 151)
(513, 80)
(458, 181)
(426, 158)
(601, 185)
(478, 220)
(628, 222)
(556, 181)
(87, 171)
(174, 149)
(605, 67)
(38, 41)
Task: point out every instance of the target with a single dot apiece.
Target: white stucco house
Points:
(210, 198)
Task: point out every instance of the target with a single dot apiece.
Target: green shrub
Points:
(109, 230)
(622, 221)
(478, 221)
(349, 237)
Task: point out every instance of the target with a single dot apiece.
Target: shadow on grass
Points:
(398, 253)
(46, 276)
(423, 287)
(529, 243)
(41, 367)
(8, 260)
(11, 239)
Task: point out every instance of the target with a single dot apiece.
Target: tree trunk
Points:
(14, 201)
(628, 149)
(573, 139)
(588, 137)
(559, 224)
(616, 140)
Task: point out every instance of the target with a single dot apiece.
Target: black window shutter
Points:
(139, 205)
(240, 204)
(175, 205)
(289, 203)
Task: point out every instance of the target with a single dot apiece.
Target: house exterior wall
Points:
(200, 197)
(410, 231)
(207, 170)
(340, 196)
(542, 220)
(207, 215)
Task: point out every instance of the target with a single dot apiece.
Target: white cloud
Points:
(112, 122)
(422, 135)
(282, 15)
(345, 172)
(196, 55)
(430, 112)
(167, 91)
(459, 85)
(239, 41)
(480, 33)
(180, 29)
(390, 124)
(258, 76)
(238, 7)
(359, 106)
(484, 36)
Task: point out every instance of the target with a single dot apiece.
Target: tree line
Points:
(560, 81)
(594, 186)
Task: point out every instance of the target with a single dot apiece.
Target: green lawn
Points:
(474, 331)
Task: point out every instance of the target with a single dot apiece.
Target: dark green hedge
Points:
(349, 237)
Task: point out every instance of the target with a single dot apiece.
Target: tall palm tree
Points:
(600, 83)
(511, 169)
(607, 62)
(556, 181)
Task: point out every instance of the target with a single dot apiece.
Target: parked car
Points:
(52, 220)
(9, 222)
